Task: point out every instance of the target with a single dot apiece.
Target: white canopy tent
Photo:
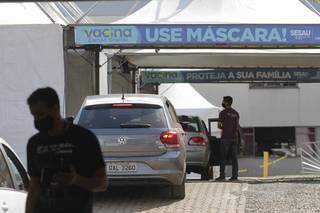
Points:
(187, 101)
(22, 13)
(31, 57)
(30, 13)
(223, 12)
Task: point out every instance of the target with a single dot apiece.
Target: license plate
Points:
(121, 167)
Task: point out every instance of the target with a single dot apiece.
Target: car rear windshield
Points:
(114, 116)
(190, 124)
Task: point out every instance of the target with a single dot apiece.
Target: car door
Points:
(215, 145)
(177, 125)
(205, 134)
(13, 182)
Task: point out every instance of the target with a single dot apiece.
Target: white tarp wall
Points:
(31, 56)
(187, 101)
(269, 107)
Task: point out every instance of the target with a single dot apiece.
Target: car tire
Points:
(179, 191)
(207, 173)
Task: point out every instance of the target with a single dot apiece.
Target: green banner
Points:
(233, 75)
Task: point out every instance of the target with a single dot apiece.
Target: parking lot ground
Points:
(273, 194)
(200, 197)
(293, 197)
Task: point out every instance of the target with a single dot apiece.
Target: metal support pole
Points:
(133, 77)
(109, 74)
(96, 71)
(265, 164)
(137, 77)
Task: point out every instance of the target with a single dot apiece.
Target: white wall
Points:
(268, 107)
(31, 56)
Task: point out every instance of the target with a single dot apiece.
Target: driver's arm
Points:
(33, 194)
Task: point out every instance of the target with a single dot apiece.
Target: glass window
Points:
(190, 124)
(5, 178)
(19, 173)
(17, 176)
(122, 116)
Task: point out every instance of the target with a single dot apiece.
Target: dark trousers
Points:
(229, 147)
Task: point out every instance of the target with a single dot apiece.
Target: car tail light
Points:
(198, 141)
(170, 139)
(122, 105)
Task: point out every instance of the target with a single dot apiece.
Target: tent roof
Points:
(209, 58)
(184, 96)
(22, 13)
(223, 12)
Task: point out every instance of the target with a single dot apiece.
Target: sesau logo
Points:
(108, 33)
(301, 34)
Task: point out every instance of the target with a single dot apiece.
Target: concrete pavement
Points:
(200, 197)
(272, 194)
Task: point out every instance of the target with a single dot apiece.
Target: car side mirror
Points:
(69, 119)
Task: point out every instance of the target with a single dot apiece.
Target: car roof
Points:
(128, 98)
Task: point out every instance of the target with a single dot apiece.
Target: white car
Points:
(13, 181)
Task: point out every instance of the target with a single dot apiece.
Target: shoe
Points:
(220, 179)
(233, 179)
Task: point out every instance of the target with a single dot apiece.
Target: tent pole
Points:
(133, 77)
(109, 74)
(96, 71)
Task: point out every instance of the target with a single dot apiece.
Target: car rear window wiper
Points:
(135, 125)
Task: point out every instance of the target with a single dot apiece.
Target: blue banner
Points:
(233, 75)
(197, 35)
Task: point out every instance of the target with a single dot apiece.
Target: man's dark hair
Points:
(228, 99)
(47, 95)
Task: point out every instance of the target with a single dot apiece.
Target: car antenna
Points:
(122, 98)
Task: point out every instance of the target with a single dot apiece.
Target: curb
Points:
(275, 179)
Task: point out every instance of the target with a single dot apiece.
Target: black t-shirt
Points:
(47, 155)
(230, 123)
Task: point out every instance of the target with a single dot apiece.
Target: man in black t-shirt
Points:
(65, 162)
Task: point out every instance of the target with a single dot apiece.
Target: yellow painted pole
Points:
(265, 164)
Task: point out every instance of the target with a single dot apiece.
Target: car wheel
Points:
(207, 173)
(179, 191)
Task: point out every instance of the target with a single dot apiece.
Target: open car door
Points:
(215, 145)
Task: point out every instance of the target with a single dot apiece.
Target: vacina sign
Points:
(197, 35)
(232, 75)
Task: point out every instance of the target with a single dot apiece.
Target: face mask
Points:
(45, 124)
(223, 105)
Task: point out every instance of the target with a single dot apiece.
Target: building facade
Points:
(273, 116)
